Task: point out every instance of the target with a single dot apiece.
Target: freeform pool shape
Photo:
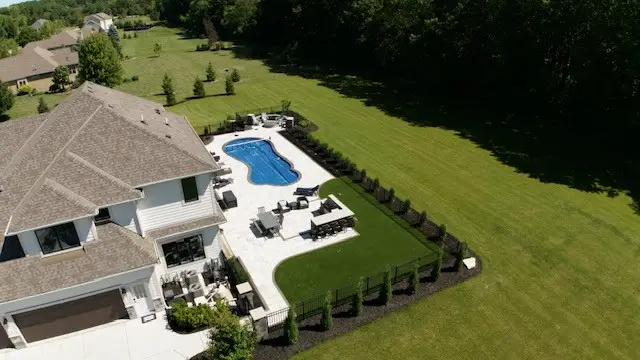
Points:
(266, 166)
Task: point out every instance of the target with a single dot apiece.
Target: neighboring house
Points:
(98, 199)
(38, 24)
(37, 60)
(99, 21)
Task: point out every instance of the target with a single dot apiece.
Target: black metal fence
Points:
(344, 295)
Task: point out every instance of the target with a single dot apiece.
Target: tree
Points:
(198, 88)
(422, 219)
(61, 77)
(392, 194)
(326, 322)
(437, 266)
(157, 48)
(211, 74)
(291, 327)
(414, 278)
(376, 184)
(460, 254)
(406, 205)
(442, 232)
(167, 84)
(235, 75)
(228, 338)
(229, 87)
(385, 294)
(239, 16)
(115, 39)
(26, 35)
(6, 98)
(358, 298)
(363, 175)
(42, 106)
(171, 98)
(99, 61)
(8, 47)
(286, 104)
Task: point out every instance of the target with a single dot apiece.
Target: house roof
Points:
(61, 39)
(100, 15)
(117, 250)
(29, 63)
(38, 23)
(91, 151)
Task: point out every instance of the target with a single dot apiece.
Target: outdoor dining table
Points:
(269, 220)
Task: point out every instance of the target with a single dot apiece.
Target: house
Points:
(38, 24)
(99, 21)
(35, 64)
(98, 199)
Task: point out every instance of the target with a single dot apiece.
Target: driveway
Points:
(121, 340)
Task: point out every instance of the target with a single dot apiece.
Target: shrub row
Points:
(238, 273)
(183, 318)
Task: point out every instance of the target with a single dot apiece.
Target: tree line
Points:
(574, 59)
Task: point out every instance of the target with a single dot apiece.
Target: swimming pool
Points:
(266, 166)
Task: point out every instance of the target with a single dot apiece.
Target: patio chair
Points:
(302, 202)
(307, 191)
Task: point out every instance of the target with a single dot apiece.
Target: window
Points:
(183, 251)
(11, 248)
(103, 216)
(58, 238)
(22, 82)
(189, 189)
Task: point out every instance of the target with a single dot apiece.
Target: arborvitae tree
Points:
(157, 48)
(167, 84)
(42, 106)
(326, 322)
(414, 277)
(363, 175)
(291, 328)
(198, 88)
(171, 98)
(392, 194)
(442, 232)
(229, 87)
(376, 184)
(460, 254)
(422, 219)
(358, 298)
(115, 39)
(235, 75)
(386, 290)
(7, 98)
(405, 207)
(211, 74)
(437, 266)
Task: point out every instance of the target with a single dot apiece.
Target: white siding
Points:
(83, 228)
(124, 215)
(87, 289)
(164, 205)
(211, 251)
(29, 243)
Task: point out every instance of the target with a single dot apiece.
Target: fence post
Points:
(367, 285)
(395, 277)
(335, 298)
(302, 308)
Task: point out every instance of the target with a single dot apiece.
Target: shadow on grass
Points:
(582, 155)
(204, 97)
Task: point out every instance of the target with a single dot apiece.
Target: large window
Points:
(189, 189)
(103, 216)
(183, 251)
(58, 238)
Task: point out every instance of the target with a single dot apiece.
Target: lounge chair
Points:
(307, 191)
(302, 202)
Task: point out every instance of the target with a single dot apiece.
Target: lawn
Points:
(560, 278)
(382, 241)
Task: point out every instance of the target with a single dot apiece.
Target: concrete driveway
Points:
(120, 340)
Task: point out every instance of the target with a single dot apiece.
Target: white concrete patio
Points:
(122, 340)
(261, 255)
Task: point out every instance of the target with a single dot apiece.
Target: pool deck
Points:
(262, 255)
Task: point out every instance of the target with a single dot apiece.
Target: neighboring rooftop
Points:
(33, 62)
(62, 39)
(100, 15)
(117, 250)
(91, 151)
(38, 24)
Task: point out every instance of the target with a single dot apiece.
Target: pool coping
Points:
(273, 147)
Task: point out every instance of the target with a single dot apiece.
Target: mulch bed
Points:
(310, 335)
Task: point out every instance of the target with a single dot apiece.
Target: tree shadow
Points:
(587, 155)
(4, 117)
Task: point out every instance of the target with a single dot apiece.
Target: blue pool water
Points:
(265, 165)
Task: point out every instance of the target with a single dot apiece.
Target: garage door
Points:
(71, 316)
(4, 339)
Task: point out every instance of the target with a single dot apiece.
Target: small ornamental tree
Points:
(422, 218)
(291, 328)
(442, 232)
(211, 74)
(42, 106)
(460, 254)
(437, 266)
(363, 175)
(167, 84)
(392, 194)
(286, 104)
(235, 75)
(414, 277)
(326, 322)
(7, 98)
(61, 77)
(228, 338)
(157, 48)
(229, 87)
(171, 98)
(198, 88)
(358, 298)
(405, 207)
(115, 39)
(376, 184)
(386, 290)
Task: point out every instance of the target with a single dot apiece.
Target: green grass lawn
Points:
(28, 105)
(381, 242)
(560, 278)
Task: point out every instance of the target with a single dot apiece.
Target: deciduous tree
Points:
(99, 61)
